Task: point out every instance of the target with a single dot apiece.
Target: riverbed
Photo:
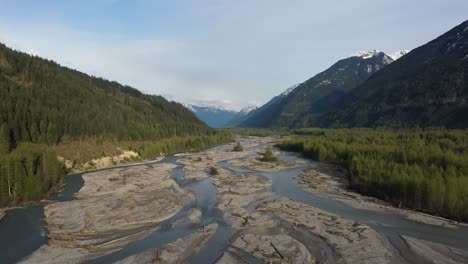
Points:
(251, 211)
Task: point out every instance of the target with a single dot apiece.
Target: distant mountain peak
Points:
(194, 107)
(212, 114)
(303, 103)
(366, 54)
(407, 94)
(247, 109)
(398, 54)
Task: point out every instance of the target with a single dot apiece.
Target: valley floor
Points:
(290, 211)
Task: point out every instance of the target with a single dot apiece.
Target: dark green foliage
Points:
(42, 101)
(268, 156)
(28, 172)
(424, 170)
(238, 147)
(4, 139)
(428, 87)
(214, 171)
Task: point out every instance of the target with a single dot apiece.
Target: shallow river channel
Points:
(23, 230)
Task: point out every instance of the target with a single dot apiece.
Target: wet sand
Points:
(178, 251)
(419, 251)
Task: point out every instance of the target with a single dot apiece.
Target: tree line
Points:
(154, 149)
(423, 170)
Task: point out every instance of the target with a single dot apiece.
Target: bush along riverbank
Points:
(422, 170)
(28, 173)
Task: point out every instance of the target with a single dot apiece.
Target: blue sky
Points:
(233, 53)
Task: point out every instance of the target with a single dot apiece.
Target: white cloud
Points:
(235, 53)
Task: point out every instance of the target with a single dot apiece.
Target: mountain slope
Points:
(265, 115)
(302, 104)
(427, 87)
(240, 116)
(42, 101)
(212, 115)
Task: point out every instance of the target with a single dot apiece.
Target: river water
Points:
(22, 230)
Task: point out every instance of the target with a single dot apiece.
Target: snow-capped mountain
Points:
(240, 116)
(369, 54)
(212, 115)
(366, 54)
(427, 88)
(303, 103)
(247, 109)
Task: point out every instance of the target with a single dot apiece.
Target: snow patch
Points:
(324, 82)
(290, 89)
(398, 54)
(189, 107)
(344, 68)
(248, 109)
(206, 108)
(366, 54)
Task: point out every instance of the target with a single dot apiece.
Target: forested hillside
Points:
(428, 87)
(42, 101)
(43, 104)
(426, 170)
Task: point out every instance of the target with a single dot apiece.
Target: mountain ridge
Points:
(427, 87)
(300, 104)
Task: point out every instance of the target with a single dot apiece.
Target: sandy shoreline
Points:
(46, 199)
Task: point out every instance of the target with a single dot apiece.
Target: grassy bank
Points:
(423, 170)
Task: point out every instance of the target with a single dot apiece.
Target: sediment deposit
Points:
(112, 209)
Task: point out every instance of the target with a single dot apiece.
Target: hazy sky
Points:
(232, 52)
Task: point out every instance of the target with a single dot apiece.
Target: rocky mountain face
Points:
(428, 87)
(302, 104)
